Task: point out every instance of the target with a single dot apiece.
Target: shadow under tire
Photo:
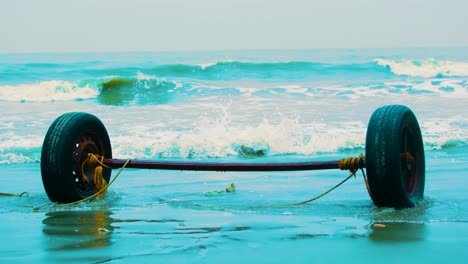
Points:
(66, 146)
(395, 162)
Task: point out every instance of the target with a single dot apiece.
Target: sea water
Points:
(236, 106)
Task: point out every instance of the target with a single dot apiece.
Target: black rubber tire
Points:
(66, 145)
(394, 179)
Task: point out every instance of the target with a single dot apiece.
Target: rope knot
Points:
(352, 164)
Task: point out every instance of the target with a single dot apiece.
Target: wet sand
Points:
(155, 216)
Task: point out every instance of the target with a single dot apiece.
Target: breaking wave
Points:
(426, 68)
(108, 90)
(215, 139)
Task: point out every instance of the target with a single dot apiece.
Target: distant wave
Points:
(221, 70)
(146, 90)
(108, 90)
(239, 69)
(141, 90)
(54, 90)
(426, 68)
(229, 70)
(155, 84)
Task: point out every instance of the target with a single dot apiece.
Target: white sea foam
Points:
(47, 91)
(141, 76)
(220, 138)
(444, 88)
(450, 88)
(16, 149)
(148, 81)
(14, 158)
(17, 142)
(438, 132)
(425, 68)
(217, 138)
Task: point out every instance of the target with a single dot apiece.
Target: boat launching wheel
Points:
(66, 174)
(394, 159)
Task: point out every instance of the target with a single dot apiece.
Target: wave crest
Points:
(426, 68)
(210, 139)
(48, 91)
(142, 90)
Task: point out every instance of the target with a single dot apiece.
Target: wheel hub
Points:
(84, 144)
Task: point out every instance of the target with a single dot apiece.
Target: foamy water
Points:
(209, 107)
(426, 68)
(47, 91)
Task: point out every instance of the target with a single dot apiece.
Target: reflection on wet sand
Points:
(404, 225)
(397, 232)
(78, 229)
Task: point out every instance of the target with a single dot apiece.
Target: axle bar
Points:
(206, 166)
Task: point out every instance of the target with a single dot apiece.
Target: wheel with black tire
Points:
(395, 162)
(65, 149)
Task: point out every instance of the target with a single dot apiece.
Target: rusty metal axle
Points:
(216, 166)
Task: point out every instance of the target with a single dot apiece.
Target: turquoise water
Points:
(212, 106)
(207, 104)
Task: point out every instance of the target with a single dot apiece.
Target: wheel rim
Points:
(409, 161)
(87, 142)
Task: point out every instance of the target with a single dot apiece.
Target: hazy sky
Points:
(155, 25)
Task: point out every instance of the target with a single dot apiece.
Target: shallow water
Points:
(165, 216)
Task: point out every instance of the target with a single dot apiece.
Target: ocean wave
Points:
(217, 139)
(426, 68)
(141, 90)
(378, 68)
(54, 90)
(448, 88)
(146, 148)
(234, 70)
(228, 69)
(445, 133)
(415, 68)
(212, 139)
(238, 70)
(144, 89)
(109, 90)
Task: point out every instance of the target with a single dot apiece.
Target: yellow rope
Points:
(353, 165)
(99, 181)
(104, 189)
(26, 194)
(324, 193)
(99, 192)
(100, 161)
